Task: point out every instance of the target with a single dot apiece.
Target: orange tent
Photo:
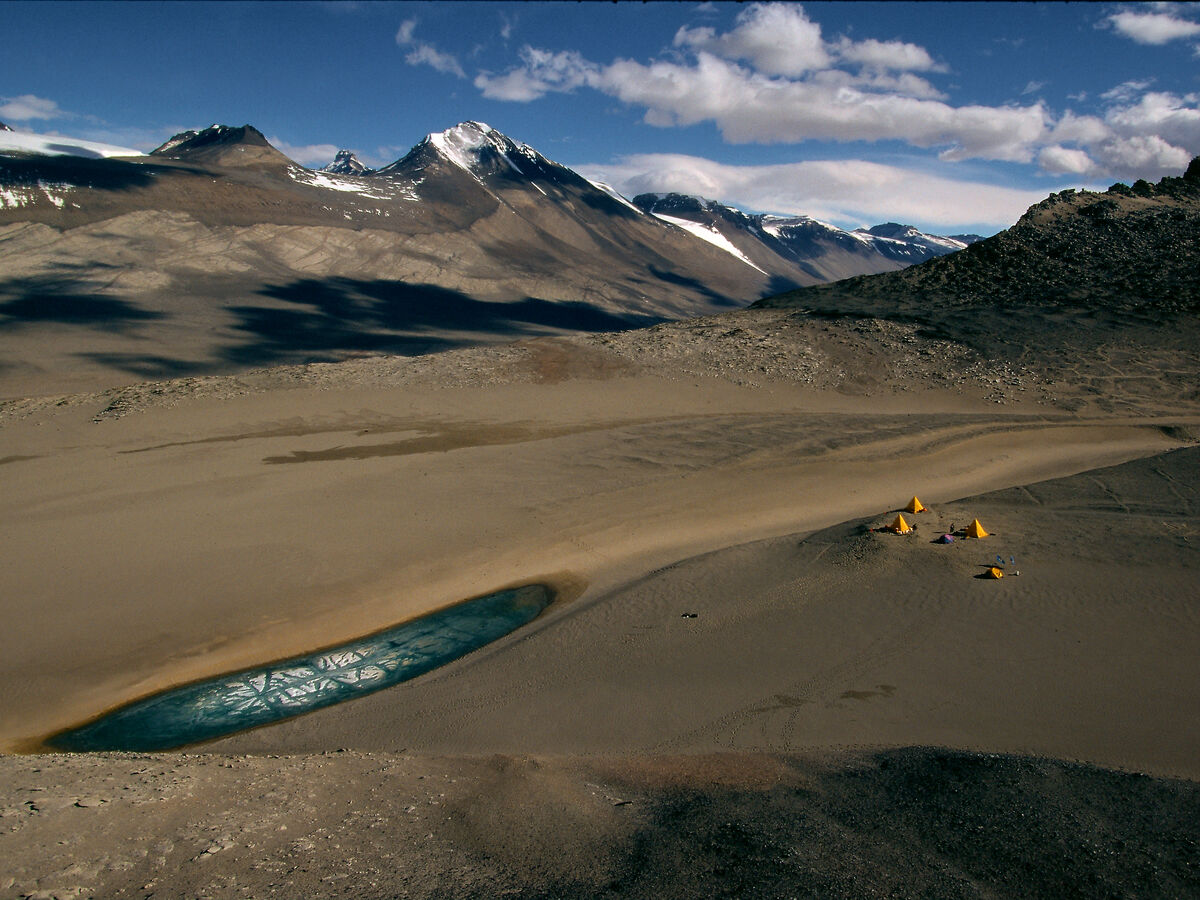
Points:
(915, 506)
(975, 530)
(994, 572)
(900, 526)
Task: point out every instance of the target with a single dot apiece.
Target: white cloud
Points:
(306, 154)
(1126, 90)
(1173, 118)
(424, 54)
(847, 191)
(1153, 28)
(1074, 129)
(795, 87)
(751, 108)
(541, 72)
(776, 39)
(1142, 156)
(28, 106)
(1059, 160)
(773, 78)
(895, 55)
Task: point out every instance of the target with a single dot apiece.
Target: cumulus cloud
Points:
(775, 39)
(1153, 135)
(1141, 156)
(1173, 118)
(425, 54)
(1153, 28)
(1060, 160)
(540, 73)
(27, 107)
(748, 107)
(843, 191)
(896, 55)
(774, 78)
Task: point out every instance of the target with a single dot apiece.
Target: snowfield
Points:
(56, 145)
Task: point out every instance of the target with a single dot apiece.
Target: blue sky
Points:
(951, 116)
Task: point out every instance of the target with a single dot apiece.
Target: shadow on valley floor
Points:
(84, 172)
(326, 319)
(30, 301)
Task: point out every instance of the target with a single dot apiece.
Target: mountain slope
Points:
(215, 252)
(221, 145)
(800, 249)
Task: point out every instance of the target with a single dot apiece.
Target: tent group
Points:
(900, 524)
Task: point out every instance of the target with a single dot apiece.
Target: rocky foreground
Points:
(906, 823)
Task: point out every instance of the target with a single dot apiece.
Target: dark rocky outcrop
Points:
(1131, 250)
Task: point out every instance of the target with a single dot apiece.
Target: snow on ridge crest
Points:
(57, 145)
(709, 234)
(462, 144)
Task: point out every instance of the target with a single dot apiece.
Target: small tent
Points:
(976, 530)
(994, 572)
(946, 539)
(900, 526)
(915, 506)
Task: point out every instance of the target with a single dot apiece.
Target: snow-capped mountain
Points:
(782, 245)
(218, 237)
(346, 163)
(4, 127)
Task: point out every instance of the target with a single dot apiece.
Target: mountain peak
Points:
(673, 202)
(4, 127)
(476, 145)
(892, 230)
(346, 163)
(224, 145)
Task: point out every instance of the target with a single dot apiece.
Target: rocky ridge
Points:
(781, 245)
(346, 163)
(1128, 250)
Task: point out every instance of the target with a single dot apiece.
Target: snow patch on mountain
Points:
(19, 196)
(612, 192)
(707, 234)
(56, 145)
(375, 189)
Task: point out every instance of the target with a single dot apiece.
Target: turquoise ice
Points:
(221, 706)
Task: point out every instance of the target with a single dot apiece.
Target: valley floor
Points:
(727, 469)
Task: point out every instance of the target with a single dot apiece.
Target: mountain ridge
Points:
(216, 252)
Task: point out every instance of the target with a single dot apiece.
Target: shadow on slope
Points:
(87, 172)
(326, 319)
(696, 285)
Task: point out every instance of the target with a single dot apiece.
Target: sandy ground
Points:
(161, 533)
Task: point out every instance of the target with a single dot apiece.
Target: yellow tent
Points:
(900, 526)
(915, 506)
(975, 530)
(994, 572)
